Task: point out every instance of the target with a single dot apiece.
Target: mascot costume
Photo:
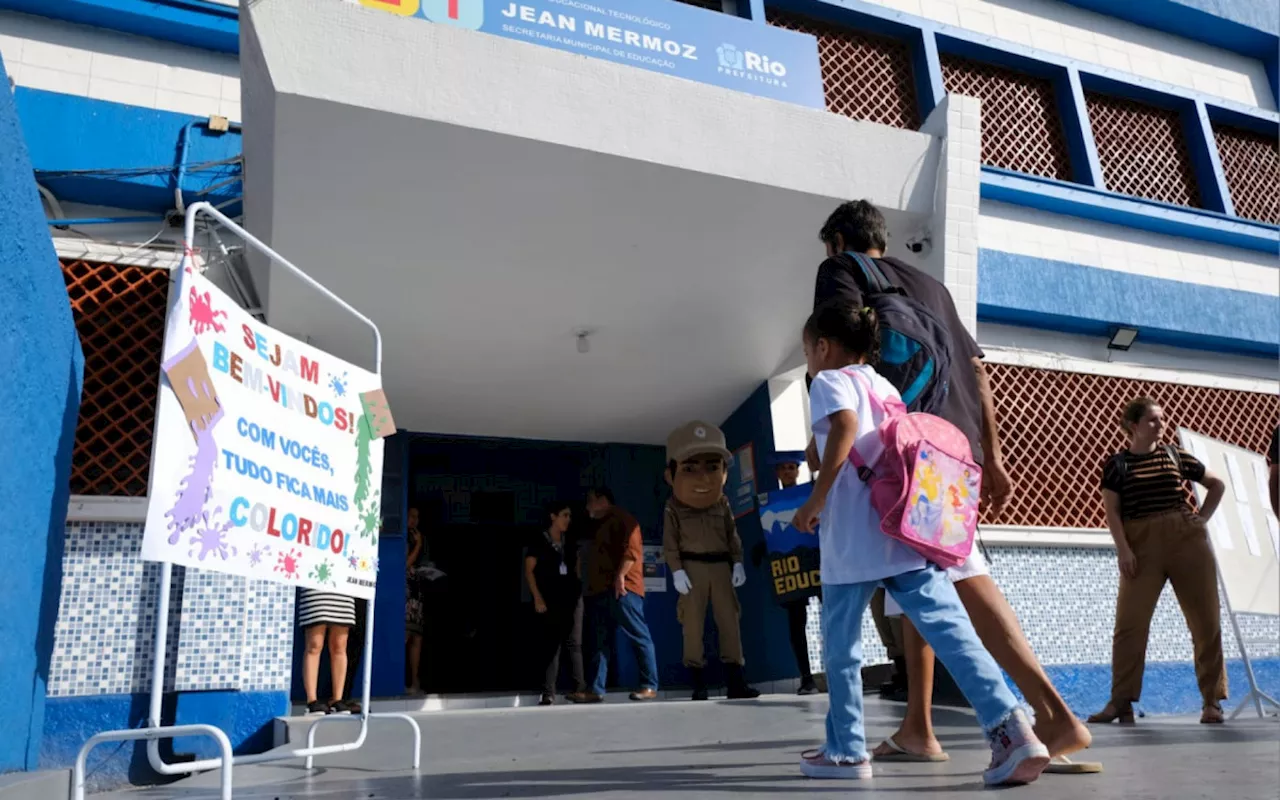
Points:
(701, 546)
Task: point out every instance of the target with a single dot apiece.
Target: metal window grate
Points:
(864, 76)
(1251, 162)
(1057, 429)
(1021, 127)
(119, 314)
(1143, 150)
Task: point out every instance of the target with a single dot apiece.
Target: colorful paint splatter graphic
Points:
(196, 487)
(289, 564)
(323, 573)
(203, 316)
(338, 384)
(353, 562)
(259, 552)
(365, 501)
(211, 537)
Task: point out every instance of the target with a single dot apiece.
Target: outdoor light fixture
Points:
(1122, 339)
(584, 344)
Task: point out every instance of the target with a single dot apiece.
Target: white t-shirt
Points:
(854, 550)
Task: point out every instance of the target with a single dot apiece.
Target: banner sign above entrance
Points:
(266, 462)
(658, 35)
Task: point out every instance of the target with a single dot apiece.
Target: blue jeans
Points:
(608, 614)
(931, 603)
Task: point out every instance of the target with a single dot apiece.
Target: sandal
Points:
(1112, 713)
(1062, 765)
(1212, 715)
(902, 755)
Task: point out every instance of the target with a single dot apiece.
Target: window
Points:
(1058, 427)
(119, 314)
(1143, 150)
(1251, 162)
(864, 76)
(1021, 127)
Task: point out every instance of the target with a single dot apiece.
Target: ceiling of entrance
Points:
(479, 256)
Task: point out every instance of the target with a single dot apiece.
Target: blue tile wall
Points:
(225, 632)
(1065, 599)
(107, 613)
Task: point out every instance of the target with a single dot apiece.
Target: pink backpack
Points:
(925, 485)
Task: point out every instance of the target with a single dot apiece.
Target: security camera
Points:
(919, 244)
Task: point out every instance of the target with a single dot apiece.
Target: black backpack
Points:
(915, 345)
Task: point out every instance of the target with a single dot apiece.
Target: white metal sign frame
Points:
(1192, 441)
(154, 731)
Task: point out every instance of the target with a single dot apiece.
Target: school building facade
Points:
(580, 223)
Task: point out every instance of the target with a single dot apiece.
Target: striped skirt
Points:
(325, 608)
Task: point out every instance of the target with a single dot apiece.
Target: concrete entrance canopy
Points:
(483, 199)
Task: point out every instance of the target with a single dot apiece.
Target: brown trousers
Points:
(712, 583)
(889, 628)
(1172, 547)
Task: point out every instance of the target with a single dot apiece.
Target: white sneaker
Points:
(815, 764)
(1017, 756)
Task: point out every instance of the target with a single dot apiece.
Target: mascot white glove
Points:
(739, 575)
(681, 581)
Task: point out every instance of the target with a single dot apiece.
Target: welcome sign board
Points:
(268, 452)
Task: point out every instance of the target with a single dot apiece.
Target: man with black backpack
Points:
(932, 359)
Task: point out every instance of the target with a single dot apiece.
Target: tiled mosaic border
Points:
(1065, 599)
(224, 632)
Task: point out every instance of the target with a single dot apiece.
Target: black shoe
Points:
(699, 683)
(807, 687)
(547, 700)
(737, 683)
(351, 706)
(317, 708)
(339, 707)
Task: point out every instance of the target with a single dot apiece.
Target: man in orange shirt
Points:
(615, 596)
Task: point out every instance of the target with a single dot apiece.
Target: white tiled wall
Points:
(1106, 41)
(956, 202)
(1028, 232)
(60, 57)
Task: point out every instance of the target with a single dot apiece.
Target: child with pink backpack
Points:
(897, 494)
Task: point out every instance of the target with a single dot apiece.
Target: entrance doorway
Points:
(481, 502)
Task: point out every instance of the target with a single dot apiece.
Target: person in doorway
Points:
(413, 603)
(858, 227)
(786, 468)
(615, 596)
(551, 569)
(321, 615)
(701, 547)
(847, 401)
(1160, 540)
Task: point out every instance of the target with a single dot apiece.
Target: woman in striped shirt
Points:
(1160, 538)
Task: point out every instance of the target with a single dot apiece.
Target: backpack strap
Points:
(871, 272)
(877, 404)
(1176, 457)
(1121, 466)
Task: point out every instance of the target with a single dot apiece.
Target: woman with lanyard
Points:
(555, 584)
(1160, 540)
